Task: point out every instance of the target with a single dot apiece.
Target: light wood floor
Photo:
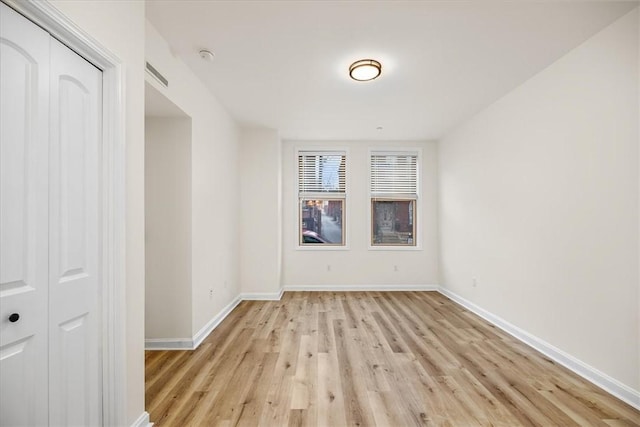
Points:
(368, 358)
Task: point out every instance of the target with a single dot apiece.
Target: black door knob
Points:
(14, 317)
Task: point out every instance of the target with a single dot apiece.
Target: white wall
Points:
(358, 265)
(168, 227)
(638, 315)
(261, 211)
(539, 202)
(215, 184)
(119, 26)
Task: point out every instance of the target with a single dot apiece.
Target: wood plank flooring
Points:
(368, 359)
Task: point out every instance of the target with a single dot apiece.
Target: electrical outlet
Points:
(475, 282)
(395, 268)
(210, 293)
(328, 267)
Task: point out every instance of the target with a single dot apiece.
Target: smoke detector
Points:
(207, 55)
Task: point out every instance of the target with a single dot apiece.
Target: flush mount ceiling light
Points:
(365, 69)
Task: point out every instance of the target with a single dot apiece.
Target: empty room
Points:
(320, 213)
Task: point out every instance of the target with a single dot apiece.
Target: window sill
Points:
(395, 248)
(322, 248)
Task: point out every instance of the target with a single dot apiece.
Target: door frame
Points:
(112, 183)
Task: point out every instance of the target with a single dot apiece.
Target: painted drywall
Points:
(539, 203)
(167, 227)
(119, 26)
(260, 211)
(357, 264)
(215, 200)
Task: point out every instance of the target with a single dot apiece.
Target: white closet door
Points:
(74, 268)
(50, 150)
(24, 246)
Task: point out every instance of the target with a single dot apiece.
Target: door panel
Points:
(74, 133)
(74, 269)
(24, 90)
(50, 113)
(76, 394)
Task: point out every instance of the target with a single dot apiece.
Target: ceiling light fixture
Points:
(365, 70)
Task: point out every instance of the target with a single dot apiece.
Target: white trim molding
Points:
(195, 341)
(168, 344)
(47, 16)
(262, 296)
(204, 332)
(600, 379)
(361, 288)
(142, 421)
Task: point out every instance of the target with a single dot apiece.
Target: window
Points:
(394, 197)
(321, 198)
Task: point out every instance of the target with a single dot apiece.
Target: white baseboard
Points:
(196, 340)
(213, 323)
(168, 344)
(262, 296)
(361, 288)
(602, 380)
(142, 421)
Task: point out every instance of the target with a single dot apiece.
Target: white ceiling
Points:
(284, 64)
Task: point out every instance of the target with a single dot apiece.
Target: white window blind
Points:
(321, 173)
(394, 175)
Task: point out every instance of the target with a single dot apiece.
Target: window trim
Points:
(418, 216)
(321, 150)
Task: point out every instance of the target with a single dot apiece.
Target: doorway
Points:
(167, 223)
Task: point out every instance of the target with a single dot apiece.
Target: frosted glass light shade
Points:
(365, 69)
